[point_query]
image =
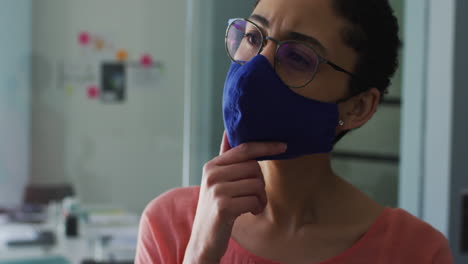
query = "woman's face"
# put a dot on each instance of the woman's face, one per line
(315, 19)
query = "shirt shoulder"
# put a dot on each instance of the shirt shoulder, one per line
(177, 202)
(416, 238)
(166, 225)
(408, 224)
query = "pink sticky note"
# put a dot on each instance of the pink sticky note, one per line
(93, 92)
(146, 60)
(83, 38)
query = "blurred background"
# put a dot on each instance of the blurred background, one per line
(106, 104)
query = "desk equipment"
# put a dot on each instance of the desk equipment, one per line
(42, 260)
(108, 234)
(44, 238)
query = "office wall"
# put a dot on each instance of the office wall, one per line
(198, 99)
(15, 91)
(124, 153)
(438, 111)
(414, 66)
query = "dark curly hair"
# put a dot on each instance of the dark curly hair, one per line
(373, 34)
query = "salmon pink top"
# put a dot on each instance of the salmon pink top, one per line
(395, 237)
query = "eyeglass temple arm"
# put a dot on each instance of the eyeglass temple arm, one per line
(338, 68)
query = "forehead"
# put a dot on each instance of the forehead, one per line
(310, 17)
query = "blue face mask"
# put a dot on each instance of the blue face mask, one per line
(258, 106)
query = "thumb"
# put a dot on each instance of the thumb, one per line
(224, 144)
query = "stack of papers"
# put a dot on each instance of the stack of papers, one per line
(15, 232)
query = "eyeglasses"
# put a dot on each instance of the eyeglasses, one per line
(296, 62)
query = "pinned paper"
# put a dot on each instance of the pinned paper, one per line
(93, 92)
(84, 38)
(113, 82)
(121, 55)
(144, 78)
(146, 60)
(80, 73)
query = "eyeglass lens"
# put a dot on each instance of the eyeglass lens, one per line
(295, 62)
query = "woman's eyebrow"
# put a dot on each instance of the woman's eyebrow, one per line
(292, 35)
(309, 39)
(262, 20)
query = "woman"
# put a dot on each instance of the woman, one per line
(304, 73)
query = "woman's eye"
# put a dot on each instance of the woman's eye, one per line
(298, 59)
(253, 39)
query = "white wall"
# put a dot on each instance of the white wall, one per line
(112, 153)
(413, 113)
(439, 114)
(15, 90)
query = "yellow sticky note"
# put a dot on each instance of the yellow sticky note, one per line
(69, 89)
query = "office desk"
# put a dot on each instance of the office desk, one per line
(75, 250)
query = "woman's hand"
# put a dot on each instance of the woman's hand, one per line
(232, 184)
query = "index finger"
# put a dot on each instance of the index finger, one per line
(250, 151)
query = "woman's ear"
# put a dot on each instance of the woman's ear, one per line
(358, 110)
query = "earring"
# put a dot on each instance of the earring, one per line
(341, 122)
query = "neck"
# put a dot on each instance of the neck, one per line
(300, 191)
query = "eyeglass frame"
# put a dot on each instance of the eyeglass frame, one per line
(278, 46)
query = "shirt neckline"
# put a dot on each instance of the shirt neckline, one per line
(336, 259)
